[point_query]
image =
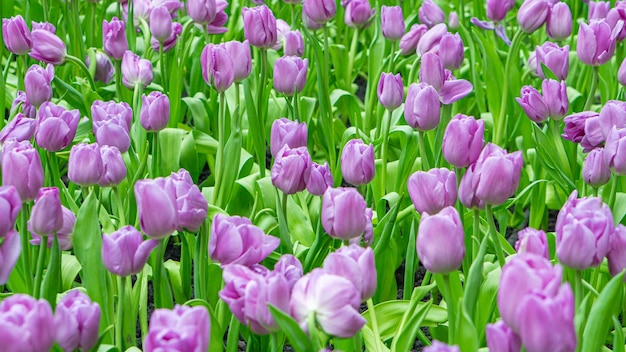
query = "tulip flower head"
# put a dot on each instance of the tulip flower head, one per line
(77, 320)
(16, 35)
(124, 252)
(180, 329)
(440, 241)
(357, 162)
(344, 213)
(135, 70)
(27, 324)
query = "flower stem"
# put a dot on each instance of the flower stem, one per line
(41, 258)
(612, 194)
(451, 306)
(592, 91)
(164, 83)
(119, 206)
(233, 335)
(494, 235)
(221, 141)
(423, 155)
(119, 324)
(118, 80)
(385, 151)
(501, 122)
(155, 155)
(76, 61)
(351, 55)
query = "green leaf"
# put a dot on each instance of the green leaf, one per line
(618, 338)
(466, 335)
(475, 278)
(606, 305)
(51, 282)
(411, 322)
(297, 338)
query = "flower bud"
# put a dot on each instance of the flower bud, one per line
(26, 324)
(392, 22)
(124, 252)
(433, 190)
(621, 73)
(467, 190)
(16, 35)
(290, 268)
(497, 9)
(441, 241)
(10, 251)
(46, 26)
(533, 14)
(422, 109)
(500, 338)
(596, 43)
(598, 10)
(259, 26)
(555, 58)
(217, 25)
(180, 329)
(170, 42)
(287, 132)
(21, 168)
(155, 111)
(532, 241)
(453, 21)
(47, 47)
(160, 23)
(64, 235)
(320, 179)
(21, 128)
(77, 321)
(432, 71)
(559, 23)
(104, 68)
(191, 205)
(617, 254)
(111, 123)
(46, 216)
(463, 140)
(85, 164)
(114, 38)
(359, 14)
(291, 169)
(343, 213)
(596, 171)
(615, 149)
(390, 90)
(156, 206)
(10, 206)
(202, 11)
(290, 74)
(357, 162)
(57, 127)
(613, 114)
(408, 42)
(218, 68)
(355, 264)
(451, 51)
(441, 347)
(555, 97)
(320, 11)
(615, 15)
(242, 61)
(294, 44)
(136, 70)
(431, 39)
(114, 169)
(497, 174)
(431, 14)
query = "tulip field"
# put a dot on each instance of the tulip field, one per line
(313, 175)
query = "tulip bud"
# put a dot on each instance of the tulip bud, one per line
(408, 42)
(614, 151)
(180, 329)
(10, 251)
(441, 241)
(282, 27)
(290, 74)
(124, 252)
(467, 190)
(497, 9)
(21, 128)
(294, 44)
(617, 255)
(392, 22)
(596, 171)
(441, 347)
(104, 68)
(320, 11)
(46, 26)
(290, 268)
(160, 23)
(320, 179)
(621, 73)
(422, 107)
(156, 206)
(432, 71)
(357, 162)
(497, 174)
(343, 213)
(453, 21)
(171, 5)
(216, 26)
(598, 10)
(390, 90)
(556, 59)
(47, 47)
(57, 127)
(242, 61)
(136, 70)
(114, 169)
(114, 38)
(170, 42)
(202, 11)
(85, 164)
(359, 14)
(532, 241)
(431, 14)
(218, 68)
(583, 231)
(10, 206)
(433, 190)
(559, 23)
(155, 111)
(328, 299)
(596, 43)
(555, 98)
(451, 51)
(291, 169)
(26, 324)
(533, 14)
(64, 235)
(616, 15)
(191, 206)
(287, 132)
(16, 35)
(111, 123)
(235, 240)
(309, 23)
(46, 216)
(259, 26)
(500, 338)
(21, 168)
(613, 114)
(355, 264)
(431, 39)
(463, 140)
(77, 320)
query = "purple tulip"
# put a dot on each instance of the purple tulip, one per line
(533, 14)
(111, 123)
(170, 42)
(532, 241)
(583, 230)
(621, 73)
(617, 254)
(218, 68)
(291, 169)
(615, 15)
(453, 21)
(46, 216)
(47, 47)
(613, 114)
(27, 108)
(171, 5)
(217, 25)
(287, 132)
(16, 35)
(114, 169)
(559, 23)
(26, 324)
(104, 68)
(359, 14)
(584, 128)
(114, 38)
(155, 111)
(202, 11)
(10, 205)
(451, 51)
(160, 23)
(309, 23)
(463, 140)
(596, 43)
(355, 264)
(242, 61)
(357, 162)
(64, 235)
(500, 338)
(497, 9)
(259, 26)
(596, 171)
(38, 84)
(555, 98)
(10, 251)
(343, 213)
(294, 44)
(21, 128)
(85, 164)
(191, 205)
(332, 300)
(141, 11)
(440, 243)
(422, 109)
(433, 190)
(555, 58)
(289, 267)
(77, 320)
(408, 42)
(136, 71)
(320, 179)
(615, 149)
(431, 14)
(441, 347)
(235, 240)
(180, 329)
(21, 168)
(290, 74)
(320, 11)
(156, 206)
(433, 73)
(124, 252)
(431, 39)
(46, 26)
(282, 27)
(390, 90)
(392, 22)
(598, 10)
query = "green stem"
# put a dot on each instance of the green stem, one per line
(200, 263)
(221, 141)
(385, 151)
(233, 335)
(494, 235)
(163, 64)
(76, 61)
(274, 342)
(592, 91)
(555, 130)
(41, 258)
(119, 324)
(414, 70)
(612, 194)
(156, 275)
(26, 247)
(391, 56)
(578, 287)
(501, 123)
(331, 137)
(423, 154)
(236, 118)
(118, 80)
(46, 11)
(5, 71)
(130, 26)
(372, 311)
(409, 269)
(261, 113)
(353, 46)
(156, 165)
(317, 346)
(119, 206)
(451, 307)
(285, 239)
(296, 111)
(476, 230)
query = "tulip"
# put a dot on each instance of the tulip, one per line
(290, 74)
(180, 329)
(155, 111)
(218, 68)
(191, 205)
(359, 14)
(10, 251)
(170, 42)
(614, 150)
(555, 98)
(532, 241)
(287, 132)
(432, 71)
(440, 242)
(46, 216)
(496, 174)
(156, 205)
(433, 190)
(320, 11)
(621, 73)
(357, 162)
(22, 168)
(500, 338)
(282, 27)
(291, 169)
(453, 21)
(583, 230)
(114, 169)
(171, 5)
(294, 44)
(135, 71)
(141, 11)
(617, 254)
(124, 252)
(615, 15)
(408, 42)
(441, 347)
(248, 292)
(64, 235)
(38, 84)
(77, 320)
(333, 301)
(559, 23)
(320, 179)
(344, 213)
(160, 23)
(431, 14)
(309, 23)
(431, 39)
(451, 51)
(422, 107)
(111, 123)
(104, 68)
(497, 9)
(85, 164)
(114, 38)
(596, 171)
(467, 191)
(16, 35)
(596, 43)
(202, 11)
(355, 264)
(547, 322)
(27, 108)
(47, 47)
(533, 14)
(21, 128)
(555, 58)
(598, 10)
(290, 268)
(463, 140)
(613, 114)
(27, 324)
(235, 240)
(390, 90)
(259, 26)
(584, 128)
(392, 22)
(10, 205)
(217, 25)
(242, 61)
(46, 26)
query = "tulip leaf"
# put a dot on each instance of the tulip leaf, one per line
(618, 338)
(173, 273)
(410, 324)
(298, 339)
(466, 334)
(198, 110)
(475, 278)
(619, 209)
(606, 305)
